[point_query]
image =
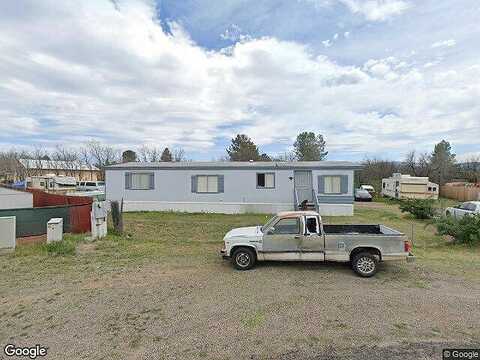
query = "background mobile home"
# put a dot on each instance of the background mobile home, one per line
(412, 187)
(233, 187)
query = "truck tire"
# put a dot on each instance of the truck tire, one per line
(365, 264)
(243, 258)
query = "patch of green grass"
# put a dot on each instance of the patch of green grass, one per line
(186, 240)
(60, 248)
(254, 320)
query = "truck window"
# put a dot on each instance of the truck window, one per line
(287, 226)
(312, 225)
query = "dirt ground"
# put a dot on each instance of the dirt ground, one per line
(101, 305)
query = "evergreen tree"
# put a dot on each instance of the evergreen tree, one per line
(310, 147)
(243, 148)
(129, 156)
(166, 155)
(442, 162)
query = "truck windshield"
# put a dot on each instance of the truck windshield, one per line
(269, 222)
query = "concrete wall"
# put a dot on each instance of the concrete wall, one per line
(173, 192)
(12, 199)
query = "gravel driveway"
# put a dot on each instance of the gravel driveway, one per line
(276, 311)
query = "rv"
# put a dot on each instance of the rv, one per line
(52, 183)
(400, 186)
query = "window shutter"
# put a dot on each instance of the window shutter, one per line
(194, 184)
(128, 180)
(152, 181)
(221, 182)
(321, 184)
(344, 184)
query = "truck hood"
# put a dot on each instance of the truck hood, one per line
(251, 231)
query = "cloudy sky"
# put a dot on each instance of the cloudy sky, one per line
(375, 77)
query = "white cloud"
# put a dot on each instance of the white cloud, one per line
(327, 43)
(377, 10)
(445, 43)
(112, 73)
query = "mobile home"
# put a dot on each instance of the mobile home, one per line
(233, 187)
(412, 187)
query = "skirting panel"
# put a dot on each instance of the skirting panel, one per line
(231, 208)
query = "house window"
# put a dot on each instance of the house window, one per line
(332, 184)
(207, 183)
(265, 180)
(139, 181)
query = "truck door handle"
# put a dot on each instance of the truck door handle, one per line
(297, 236)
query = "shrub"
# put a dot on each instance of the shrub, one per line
(61, 248)
(420, 208)
(465, 230)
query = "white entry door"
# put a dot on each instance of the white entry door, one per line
(303, 185)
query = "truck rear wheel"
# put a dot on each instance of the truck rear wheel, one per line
(365, 264)
(243, 258)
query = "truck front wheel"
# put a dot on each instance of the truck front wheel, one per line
(365, 264)
(243, 259)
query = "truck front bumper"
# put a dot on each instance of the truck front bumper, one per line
(223, 254)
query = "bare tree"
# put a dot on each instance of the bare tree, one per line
(374, 170)
(470, 169)
(66, 159)
(149, 154)
(178, 154)
(10, 167)
(286, 156)
(102, 155)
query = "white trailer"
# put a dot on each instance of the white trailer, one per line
(400, 186)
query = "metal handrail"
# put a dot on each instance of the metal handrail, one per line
(315, 200)
(295, 197)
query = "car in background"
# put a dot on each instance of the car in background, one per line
(91, 186)
(362, 195)
(369, 188)
(466, 208)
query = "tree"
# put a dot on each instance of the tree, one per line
(416, 165)
(470, 169)
(149, 154)
(243, 148)
(178, 154)
(285, 157)
(442, 162)
(99, 155)
(265, 157)
(166, 155)
(374, 170)
(129, 156)
(308, 147)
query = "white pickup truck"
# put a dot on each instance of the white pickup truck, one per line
(301, 236)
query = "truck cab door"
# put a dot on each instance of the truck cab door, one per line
(313, 242)
(282, 240)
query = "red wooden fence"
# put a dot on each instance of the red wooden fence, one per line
(79, 208)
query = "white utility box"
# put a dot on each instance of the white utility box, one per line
(7, 233)
(99, 219)
(54, 230)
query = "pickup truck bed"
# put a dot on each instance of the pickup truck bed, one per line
(359, 229)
